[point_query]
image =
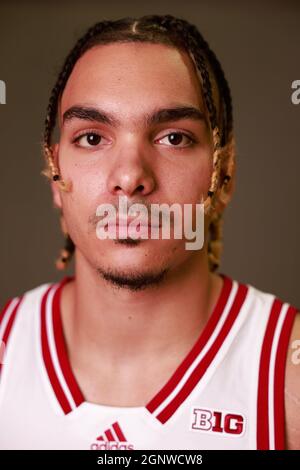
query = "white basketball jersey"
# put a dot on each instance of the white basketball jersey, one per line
(227, 393)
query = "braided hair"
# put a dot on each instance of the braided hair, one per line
(178, 33)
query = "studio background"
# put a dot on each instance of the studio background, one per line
(258, 46)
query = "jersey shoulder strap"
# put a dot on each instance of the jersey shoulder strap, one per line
(271, 379)
(10, 315)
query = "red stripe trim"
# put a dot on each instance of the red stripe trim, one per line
(62, 348)
(10, 322)
(60, 395)
(119, 432)
(263, 440)
(280, 366)
(4, 309)
(194, 353)
(109, 435)
(202, 367)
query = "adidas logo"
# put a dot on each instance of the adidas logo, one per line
(112, 439)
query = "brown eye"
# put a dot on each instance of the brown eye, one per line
(87, 140)
(177, 139)
(93, 139)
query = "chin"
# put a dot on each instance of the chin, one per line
(131, 277)
(137, 256)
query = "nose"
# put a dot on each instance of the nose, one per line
(131, 175)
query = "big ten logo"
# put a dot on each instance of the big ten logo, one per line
(221, 422)
(295, 96)
(2, 92)
(296, 353)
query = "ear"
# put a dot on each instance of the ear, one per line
(56, 196)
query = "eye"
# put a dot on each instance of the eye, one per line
(88, 140)
(176, 138)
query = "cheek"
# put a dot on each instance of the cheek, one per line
(80, 204)
(189, 180)
(201, 176)
(87, 178)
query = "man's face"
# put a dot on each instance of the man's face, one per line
(132, 157)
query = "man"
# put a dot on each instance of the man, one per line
(146, 346)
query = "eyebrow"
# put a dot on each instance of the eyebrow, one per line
(159, 116)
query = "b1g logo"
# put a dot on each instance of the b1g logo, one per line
(220, 422)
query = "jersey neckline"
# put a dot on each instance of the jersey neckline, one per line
(175, 391)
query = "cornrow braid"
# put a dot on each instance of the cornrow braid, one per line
(179, 33)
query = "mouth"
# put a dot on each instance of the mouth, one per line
(130, 228)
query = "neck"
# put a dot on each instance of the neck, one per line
(123, 326)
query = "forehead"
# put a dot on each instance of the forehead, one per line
(128, 78)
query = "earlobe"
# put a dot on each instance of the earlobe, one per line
(56, 198)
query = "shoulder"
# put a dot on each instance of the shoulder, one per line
(279, 369)
(18, 308)
(292, 388)
(29, 296)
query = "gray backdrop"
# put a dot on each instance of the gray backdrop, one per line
(258, 45)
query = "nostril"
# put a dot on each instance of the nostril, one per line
(137, 189)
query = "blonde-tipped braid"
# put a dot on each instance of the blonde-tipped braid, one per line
(209, 201)
(65, 254)
(52, 172)
(218, 197)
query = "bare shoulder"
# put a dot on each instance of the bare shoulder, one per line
(292, 388)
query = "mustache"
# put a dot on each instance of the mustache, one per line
(153, 213)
